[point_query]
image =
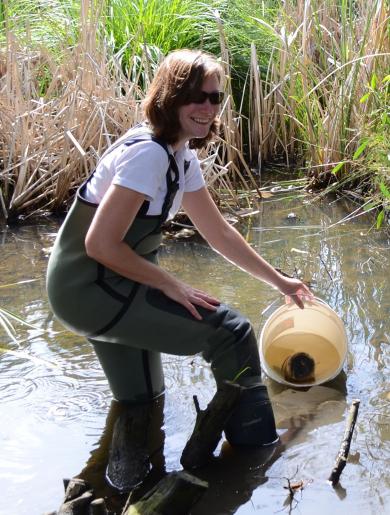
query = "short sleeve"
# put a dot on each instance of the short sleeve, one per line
(141, 167)
(193, 179)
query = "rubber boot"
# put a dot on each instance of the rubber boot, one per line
(252, 422)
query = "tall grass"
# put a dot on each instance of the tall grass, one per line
(310, 99)
(64, 98)
(323, 102)
(306, 83)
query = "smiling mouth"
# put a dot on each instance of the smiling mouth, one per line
(201, 121)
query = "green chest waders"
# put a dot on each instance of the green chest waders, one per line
(88, 298)
(129, 323)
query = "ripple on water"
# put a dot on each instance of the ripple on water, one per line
(65, 399)
(15, 381)
(378, 436)
(61, 394)
(74, 397)
(16, 389)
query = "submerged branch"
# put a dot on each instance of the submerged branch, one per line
(209, 426)
(342, 456)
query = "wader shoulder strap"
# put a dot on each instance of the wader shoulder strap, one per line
(172, 187)
(172, 177)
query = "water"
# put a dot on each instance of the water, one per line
(55, 405)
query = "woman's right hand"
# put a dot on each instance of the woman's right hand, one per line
(296, 290)
(189, 297)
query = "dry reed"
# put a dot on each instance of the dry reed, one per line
(309, 105)
(50, 143)
(306, 106)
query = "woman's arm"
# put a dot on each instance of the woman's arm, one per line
(104, 243)
(227, 241)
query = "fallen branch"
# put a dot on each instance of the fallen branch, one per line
(342, 456)
(78, 505)
(98, 507)
(79, 499)
(209, 426)
(175, 494)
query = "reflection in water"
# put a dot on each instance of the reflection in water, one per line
(54, 398)
(232, 475)
(125, 452)
(237, 473)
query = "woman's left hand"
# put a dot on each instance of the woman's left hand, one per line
(296, 290)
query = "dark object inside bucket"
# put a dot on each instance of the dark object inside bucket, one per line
(298, 368)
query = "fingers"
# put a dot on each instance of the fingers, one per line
(203, 300)
(298, 301)
(307, 292)
(208, 298)
(299, 297)
(298, 293)
(204, 304)
(190, 297)
(191, 308)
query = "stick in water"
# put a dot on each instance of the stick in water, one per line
(342, 456)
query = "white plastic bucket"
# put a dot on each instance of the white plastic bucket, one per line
(315, 330)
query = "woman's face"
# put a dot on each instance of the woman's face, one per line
(196, 118)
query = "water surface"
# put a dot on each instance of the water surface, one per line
(54, 399)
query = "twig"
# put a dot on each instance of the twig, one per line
(342, 456)
(326, 268)
(283, 273)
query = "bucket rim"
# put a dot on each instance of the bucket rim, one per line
(294, 306)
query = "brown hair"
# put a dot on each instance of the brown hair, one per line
(180, 73)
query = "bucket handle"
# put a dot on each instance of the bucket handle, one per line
(317, 300)
(313, 301)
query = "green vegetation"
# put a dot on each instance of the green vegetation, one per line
(307, 81)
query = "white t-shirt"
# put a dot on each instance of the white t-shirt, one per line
(142, 167)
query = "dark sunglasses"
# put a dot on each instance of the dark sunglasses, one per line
(199, 97)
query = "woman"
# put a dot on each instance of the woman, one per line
(103, 278)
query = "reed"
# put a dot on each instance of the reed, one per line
(50, 143)
(310, 99)
(323, 102)
(64, 99)
(307, 82)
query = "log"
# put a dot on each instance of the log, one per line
(77, 506)
(175, 494)
(77, 497)
(341, 459)
(74, 488)
(98, 507)
(209, 426)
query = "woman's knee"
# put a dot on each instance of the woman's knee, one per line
(238, 326)
(233, 348)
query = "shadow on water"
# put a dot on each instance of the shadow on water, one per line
(55, 404)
